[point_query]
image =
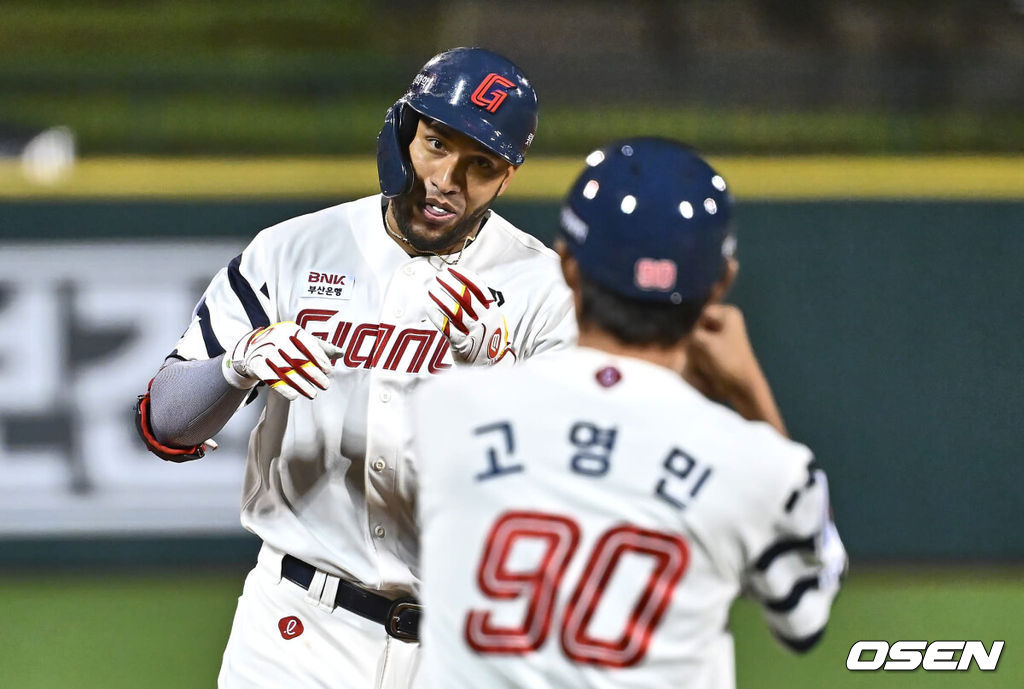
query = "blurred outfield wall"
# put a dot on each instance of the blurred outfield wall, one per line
(890, 329)
(262, 77)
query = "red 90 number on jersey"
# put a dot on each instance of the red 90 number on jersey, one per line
(558, 537)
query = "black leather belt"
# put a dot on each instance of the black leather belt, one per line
(401, 617)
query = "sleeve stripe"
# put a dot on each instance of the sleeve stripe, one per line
(795, 595)
(781, 548)
(812, 469)
(803, 644)
(252, 395)
(213, 347)
(244, 291)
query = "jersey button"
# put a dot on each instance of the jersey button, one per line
(378, 531)
(379, 465)
(408, 270)
(399, 312)
(385, 396)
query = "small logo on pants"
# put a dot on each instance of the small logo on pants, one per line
(290, 627)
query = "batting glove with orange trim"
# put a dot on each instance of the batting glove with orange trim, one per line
(469, 314)
(285, 357)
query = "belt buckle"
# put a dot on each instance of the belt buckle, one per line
(399, 608)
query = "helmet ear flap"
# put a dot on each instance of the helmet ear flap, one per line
(394, 168)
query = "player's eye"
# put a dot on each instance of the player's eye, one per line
(434, 143)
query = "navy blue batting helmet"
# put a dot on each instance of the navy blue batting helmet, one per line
(473, 91)
(649, 219)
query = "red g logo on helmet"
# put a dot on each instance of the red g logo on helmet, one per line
(493, 100)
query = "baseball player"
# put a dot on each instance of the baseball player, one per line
(588, 518)
(342, 313)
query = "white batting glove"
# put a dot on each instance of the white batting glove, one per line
(462, 307)
(285, 357)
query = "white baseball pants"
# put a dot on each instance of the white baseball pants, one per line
(285, 636)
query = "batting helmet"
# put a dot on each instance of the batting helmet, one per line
(473, 91)
(649, 219)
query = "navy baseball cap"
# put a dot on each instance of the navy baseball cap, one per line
(649, 219)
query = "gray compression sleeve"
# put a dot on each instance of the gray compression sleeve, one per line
(190, 401)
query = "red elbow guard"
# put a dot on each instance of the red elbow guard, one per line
(165, 452)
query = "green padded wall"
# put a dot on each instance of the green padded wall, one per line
(891, 331)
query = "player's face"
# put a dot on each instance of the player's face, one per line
(456, 181)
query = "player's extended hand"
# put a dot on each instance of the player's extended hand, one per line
(720, 363)
(462, 307)
(285, 357)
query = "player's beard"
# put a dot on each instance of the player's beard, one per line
(451, 241)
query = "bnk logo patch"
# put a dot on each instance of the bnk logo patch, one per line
(333, 285)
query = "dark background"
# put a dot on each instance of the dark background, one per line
(266, 77)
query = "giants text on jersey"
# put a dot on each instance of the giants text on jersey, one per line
(328, 480)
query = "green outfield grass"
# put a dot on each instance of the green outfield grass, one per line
(107, 632)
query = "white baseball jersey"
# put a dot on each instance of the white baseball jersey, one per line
(588, 520)
(328, 480)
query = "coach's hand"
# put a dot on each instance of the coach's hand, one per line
(469, 314)
(285, 357)
(720, 362)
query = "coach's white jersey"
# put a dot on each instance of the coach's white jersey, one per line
(328, 480)
(587, 521)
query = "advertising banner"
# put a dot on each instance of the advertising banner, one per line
(83, 328)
